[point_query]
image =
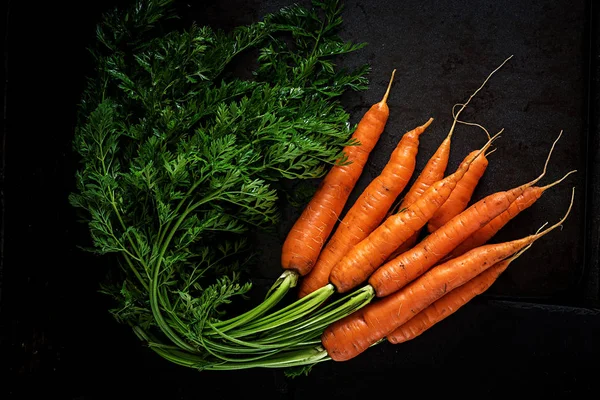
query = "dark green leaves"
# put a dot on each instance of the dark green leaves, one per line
(180, 155)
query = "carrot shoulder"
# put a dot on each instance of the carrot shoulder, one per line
(308, 235)
(368, 210)
(355, 333)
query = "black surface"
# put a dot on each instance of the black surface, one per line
(57, 337)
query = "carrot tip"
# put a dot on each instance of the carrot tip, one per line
(559, 223)
(425, 125)
(389, 87)
(548, 186)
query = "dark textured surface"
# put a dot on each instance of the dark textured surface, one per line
(58, 339)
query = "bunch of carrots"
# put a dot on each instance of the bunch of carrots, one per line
(425, 255)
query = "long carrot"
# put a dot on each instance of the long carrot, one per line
(355, 333)
(308, 235)
(368, 210)
(409, 265)
(436, 166)
(450, 302)
(364, 257)
(524, 201)
(462, 193)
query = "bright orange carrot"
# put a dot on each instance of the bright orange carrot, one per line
(409, 265)
(462, 193)
(524, 201)
(368, 210)
(308, 235)
(436, 166)
(350, 336)
(364, 257)
(409, 243)
(450, 302)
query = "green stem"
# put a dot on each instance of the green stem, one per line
(136, 272)
(325, 317)
(281, 287)
(154, 292)
(294, 312)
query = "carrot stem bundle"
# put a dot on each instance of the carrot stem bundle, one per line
(353, 334)
(368, 210)
(305, 240)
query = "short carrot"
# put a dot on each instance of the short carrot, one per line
(409, 265)
(350, 336)
(450, 302)
(368, 210)
(305, 240)
(364, 257)
(436, 166)
(524, 201)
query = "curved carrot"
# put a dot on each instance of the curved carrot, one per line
(364, 258)
(450, 302)
(409, 265)
(524, 201)
(369, 209)
(350, 336)
(436, 166)
(308, 235)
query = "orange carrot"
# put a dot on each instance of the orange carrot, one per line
(308, 235)
(524, 201)
(450, 302)
(462, 193)
(350, 336)
(363, 258)
(409, 265)
(369, 209)
(436, 166)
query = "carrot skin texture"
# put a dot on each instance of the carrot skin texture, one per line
(481, 236)
(529, 196)
(447, 305)
(462, 193)
(367, 255)
(411, 264)
(308, 235)
(456, 202)
(369, 209)
(353, 334)
(407, 245)
(432, 172)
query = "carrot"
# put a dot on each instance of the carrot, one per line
(350, 336)
(409, 265)
(524, 201)
(462, 193)
(363, 258)
(450, 302)
(308, 235)
(436, 166)
(369, 209)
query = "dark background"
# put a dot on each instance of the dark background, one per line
(534, 332)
